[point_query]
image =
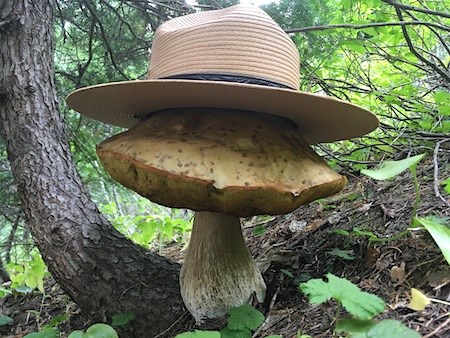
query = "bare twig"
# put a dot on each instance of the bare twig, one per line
(436, 171)
(440, 327)
(172, 325)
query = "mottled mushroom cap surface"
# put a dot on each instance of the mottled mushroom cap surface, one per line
(233, 162)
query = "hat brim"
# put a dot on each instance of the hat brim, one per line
(319, 118)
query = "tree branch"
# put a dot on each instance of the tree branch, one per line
(413, 50)
(367, 25)
(416, 9)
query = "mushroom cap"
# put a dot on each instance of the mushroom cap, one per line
(233, 162)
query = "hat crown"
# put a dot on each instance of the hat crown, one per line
(236, 41)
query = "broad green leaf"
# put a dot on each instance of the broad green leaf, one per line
(352, 325)
(316, 290)
(390, 169)
(77, 334)
(245, 317)
(361, 304)
(227, 333)
(354, 45)
(5, 320)
(122, 319)
(418, 300)
(48, 332)
(199, 334)
(388, 328)
(440, 234)
(101, 330)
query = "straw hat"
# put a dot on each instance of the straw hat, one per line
(233, 58)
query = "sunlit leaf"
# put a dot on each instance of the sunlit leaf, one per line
(360, 304)
(390, 169)
(101, 330)
(199, 334)
(440, 234)
(77, 334)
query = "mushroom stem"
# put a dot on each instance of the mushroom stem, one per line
(218, 271)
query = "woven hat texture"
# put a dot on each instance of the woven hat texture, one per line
(233, 58)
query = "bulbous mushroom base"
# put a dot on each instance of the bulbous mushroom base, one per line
(218, 271)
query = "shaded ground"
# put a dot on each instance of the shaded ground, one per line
(296, 247)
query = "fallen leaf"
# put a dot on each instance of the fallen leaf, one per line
(419, 301)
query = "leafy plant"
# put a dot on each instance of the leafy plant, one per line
(446, 184)
(5, 320)
(151, 230)
(28, 275)
(361, 305)
(390, 169)
(439, 232)
(241, 322)
(99, 330)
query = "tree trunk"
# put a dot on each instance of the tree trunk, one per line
(103, 272)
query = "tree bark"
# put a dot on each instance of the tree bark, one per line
(103, 272)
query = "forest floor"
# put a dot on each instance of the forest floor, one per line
(302, 245)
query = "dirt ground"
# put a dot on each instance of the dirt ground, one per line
(293, 248)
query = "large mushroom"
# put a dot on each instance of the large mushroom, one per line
(223, 164)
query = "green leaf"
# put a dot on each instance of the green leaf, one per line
(101, 330)
(354, 45)
(388, 328)
(58, 320)
(446, 184)
(48, 332)
(442, 100)
(344, 254)
(390, 169)
(259, 230)
(4, 291)
(122, 319)
(440, 234)
(360, 304)
(5, 320)
(245, 317)
(352, 325)
(287, 273)
(77, 334)
(316, 290)
(199, 334)
(227, 333)
(360, 232)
